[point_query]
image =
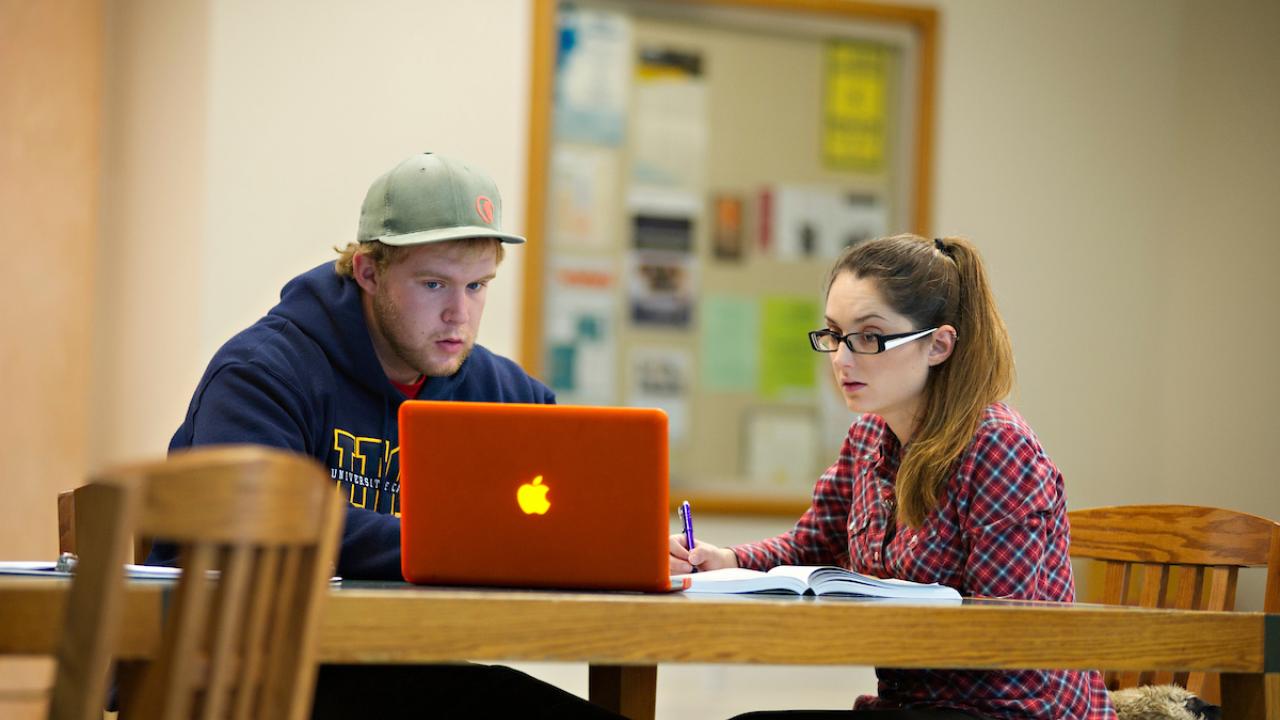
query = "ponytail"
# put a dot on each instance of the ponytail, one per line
(942, 282)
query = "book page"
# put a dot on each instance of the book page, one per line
(799, 572)
(741, 580)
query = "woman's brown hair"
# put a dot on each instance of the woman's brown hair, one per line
(939, 282)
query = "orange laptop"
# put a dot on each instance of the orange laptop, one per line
(533, 495)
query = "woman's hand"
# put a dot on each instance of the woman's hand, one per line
(704, 556)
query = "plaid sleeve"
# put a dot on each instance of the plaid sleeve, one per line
(820, 536)
(1015, 523)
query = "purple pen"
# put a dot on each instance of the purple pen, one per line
(686, 515)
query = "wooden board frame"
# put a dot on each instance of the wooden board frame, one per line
(921, 21)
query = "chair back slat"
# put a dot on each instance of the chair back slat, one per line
(1189, 558)
(85, 648)
(255, 635)
(257, 532)
(1155, 582)
(1222, 588)
(316, 570)
(1116, 585)
(1186, 593)
(228, 618)
(1190, 588)
(1151, 593)
(283, 605)
(169, 686)
(1156, 588)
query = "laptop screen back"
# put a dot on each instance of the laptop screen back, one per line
(534, 495)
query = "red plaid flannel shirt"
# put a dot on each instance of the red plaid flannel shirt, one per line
(1000, 530)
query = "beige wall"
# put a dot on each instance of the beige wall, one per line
(1219, 406)
(1118, 164)
(50, 155)
(50, 95)
(153, 224)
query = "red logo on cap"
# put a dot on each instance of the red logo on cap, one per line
(484, 206)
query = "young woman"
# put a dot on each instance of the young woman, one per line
(938, 481)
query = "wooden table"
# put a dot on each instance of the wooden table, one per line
(623, 637)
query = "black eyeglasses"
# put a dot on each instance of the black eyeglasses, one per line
(863, 343)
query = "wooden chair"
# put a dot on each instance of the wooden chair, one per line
(1187, 557)
(79, 510)
(237, 644)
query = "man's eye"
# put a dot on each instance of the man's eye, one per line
(432, 284)
(475, 285)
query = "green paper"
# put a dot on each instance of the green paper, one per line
(786, 360)
(730, 343)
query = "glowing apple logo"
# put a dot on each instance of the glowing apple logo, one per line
(532, 497)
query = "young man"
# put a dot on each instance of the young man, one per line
(395, 317)
(324, 374)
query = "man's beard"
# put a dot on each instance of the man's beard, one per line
(388, 318)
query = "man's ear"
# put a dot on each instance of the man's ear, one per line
(365, 272)
(941, 344)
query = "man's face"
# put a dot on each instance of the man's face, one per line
(425, 308)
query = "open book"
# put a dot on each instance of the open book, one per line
(813, 580)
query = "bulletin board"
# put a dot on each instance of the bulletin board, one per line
(694, 169)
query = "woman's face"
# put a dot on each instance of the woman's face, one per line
(889, 384)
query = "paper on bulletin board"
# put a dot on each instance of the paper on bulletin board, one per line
(661, 267)
(661, 377)
(583, 196)
(807, 222)
(781, 446)
(786, 358)
(669, 135)
(855, 105)
(593, 71)
(581, 340)
(729, 343)
(728, 233)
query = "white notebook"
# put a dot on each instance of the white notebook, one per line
(50, 569)
(44, 568)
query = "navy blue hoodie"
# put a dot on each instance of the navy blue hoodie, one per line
(306, 378)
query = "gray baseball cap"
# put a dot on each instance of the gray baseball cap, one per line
(432, 198)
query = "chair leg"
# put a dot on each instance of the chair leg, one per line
(1244, 696)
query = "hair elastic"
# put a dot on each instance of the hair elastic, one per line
(937, 242)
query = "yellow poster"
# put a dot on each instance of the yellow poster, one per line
(855, 106)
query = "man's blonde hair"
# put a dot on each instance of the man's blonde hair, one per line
(384, 256)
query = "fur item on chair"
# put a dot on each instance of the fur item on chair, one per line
(1162, 702)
